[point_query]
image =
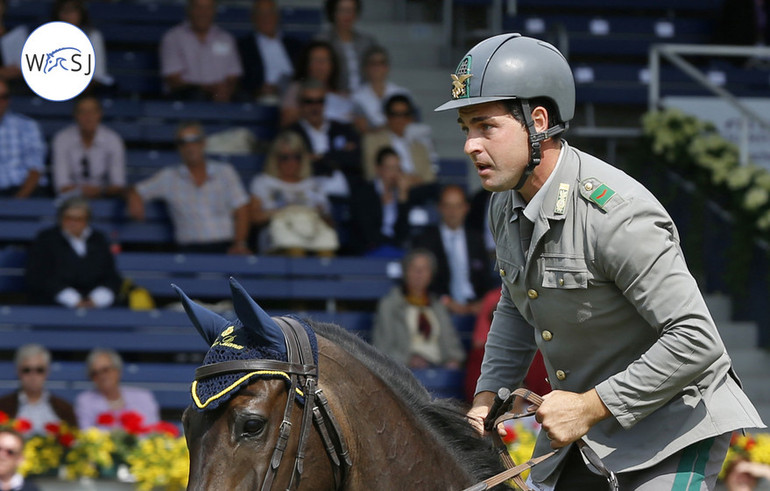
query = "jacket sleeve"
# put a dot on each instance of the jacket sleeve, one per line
(41, 272)
(449, 339)
(638, 248)
(389, 333)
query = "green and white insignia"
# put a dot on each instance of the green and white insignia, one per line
(602, 195)
(460, 79)
(561, 199)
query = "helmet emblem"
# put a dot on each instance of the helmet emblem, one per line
(460, 78)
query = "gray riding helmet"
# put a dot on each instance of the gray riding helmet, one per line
(512, 66)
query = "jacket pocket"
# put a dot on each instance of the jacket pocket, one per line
(507, 270)
(564, 272)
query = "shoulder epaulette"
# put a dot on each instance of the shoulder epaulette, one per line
(599, 193)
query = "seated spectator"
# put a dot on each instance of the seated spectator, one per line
(103, 405)
(32, 401)
(11, 43)
(478, 220)
(22, 153)
(334, 145)
(11, 457)
(71, 264)
(349, 43)
(464, 272)
(198, 59)
(370, 97)
(89, 159)
(285, 194)
(318, 63)
(76, 13)
(408, 140)
(262, 80)
(380, 209)
(411, 324)
(207, 202)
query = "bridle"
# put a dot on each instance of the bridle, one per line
(303, 374)
(497, 414)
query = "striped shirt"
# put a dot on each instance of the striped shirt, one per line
(22, 149)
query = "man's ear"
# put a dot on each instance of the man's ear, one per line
(540, 118)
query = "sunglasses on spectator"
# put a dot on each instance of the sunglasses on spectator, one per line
(189, 139)
(285, 157)
(308, 100)
(9, 451)
(400, 114)
(37, 370)
(100, 371)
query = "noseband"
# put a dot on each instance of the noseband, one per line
(303, 373)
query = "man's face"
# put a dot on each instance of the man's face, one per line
(10, 455)
(453, 208)
(32, 373)
(418, 274)
(265, 17)
(88, 115)
(389, 170)
(497, 144)
(399, 115)
(311, 105)
(345, 15)
(74, 221)
(201, 14)
(104, 374)
(192, 145)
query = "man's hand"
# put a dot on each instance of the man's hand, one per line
(481, 405)
(567, 416)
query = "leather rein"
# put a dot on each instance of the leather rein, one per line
(303, 373)
(498, 414)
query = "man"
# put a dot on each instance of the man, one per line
(22, 150)
(334, 145)
(71, 264)
(260, 78)
(11, 457)
(198, 59)
(109, 397)
(593, 275)
(206, 200)
(32, 402)
(463, 273)
(89, 159)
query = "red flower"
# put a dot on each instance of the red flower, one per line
(53, 428)
(67, 439)
(3, 418)
(132, 422)
(22, 425)
(165, 428)
(510, 434)
(750, 444)
(105, 419)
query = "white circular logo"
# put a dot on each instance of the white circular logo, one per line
(57, 61)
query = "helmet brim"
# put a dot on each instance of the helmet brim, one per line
(471, 101)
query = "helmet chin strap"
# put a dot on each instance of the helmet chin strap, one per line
(534, 140)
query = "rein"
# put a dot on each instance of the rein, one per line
(503, 401)
(303, 374)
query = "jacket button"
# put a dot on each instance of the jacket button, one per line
(532, 294)
(560, 374)
(561, 281)
(589, 186)
(502, 272)
(547, 335)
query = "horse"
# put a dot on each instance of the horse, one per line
(266, 381)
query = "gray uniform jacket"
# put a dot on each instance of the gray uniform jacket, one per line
(605, 294)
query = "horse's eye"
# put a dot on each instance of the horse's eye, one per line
(253, 427)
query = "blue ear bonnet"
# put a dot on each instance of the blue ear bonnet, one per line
(253, 335)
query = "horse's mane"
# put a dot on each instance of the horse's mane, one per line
(444, 418)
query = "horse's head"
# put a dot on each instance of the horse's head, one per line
(240, 398)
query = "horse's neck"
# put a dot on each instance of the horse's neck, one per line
(388, 443)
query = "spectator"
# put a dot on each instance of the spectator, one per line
(407, 139)
(32, 402)
(76, 13)
(22, 152)
(198, 59)
(369, 98)
(71, 263)
(318, 63)
(349, 43)
(89, 159)
(11, 457)
(478, 219)
(411, 324)
(206, 200)
(335, 145)
(262, 80)
(103, 405)
(286, 192)
(464, 273)
(380, 209)
(11, 43)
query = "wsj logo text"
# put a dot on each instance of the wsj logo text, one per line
(67, 59)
